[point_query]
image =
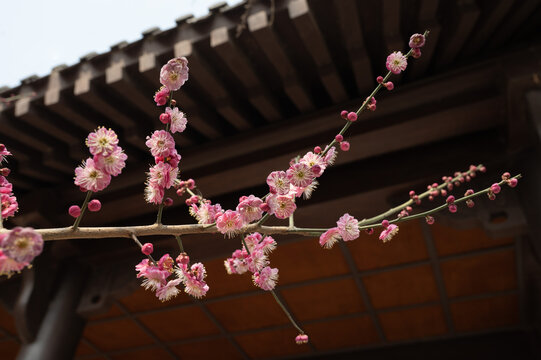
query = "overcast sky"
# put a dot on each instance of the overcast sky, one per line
(36, 35)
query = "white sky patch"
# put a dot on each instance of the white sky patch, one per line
(37, 35)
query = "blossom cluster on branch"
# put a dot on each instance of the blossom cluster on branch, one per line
(168, 275)
(19, 246)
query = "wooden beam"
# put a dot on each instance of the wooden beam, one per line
(512, 22)
(352, 35)
(329, 119)
(392, 35)
(458, 32)
(58, 103)
(212, 86)
(308, 30)
(261, 29)
(30, 114)
(241, 68)
(492, 17)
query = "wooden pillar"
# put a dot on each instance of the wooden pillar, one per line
(60, 331)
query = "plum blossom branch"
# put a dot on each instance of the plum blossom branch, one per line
(417, 198)
(82, 210)
(465, 198)
(248, 217)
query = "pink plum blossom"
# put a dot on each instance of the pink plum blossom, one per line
(266, 278)
(329, 238)
(90, 177)
(267, 245)
(388, 233)
(160, 97)
(154, 278)
(330, 156)
(229, 223)
(278, 182)
(281, 206)
(205, 213)
(238, 262)
(248, 208)
(161, 143)
(311, 159)
(348, 227)
(8, 266)
(301, 339)
(193, 279)
(3, 152)
(22, 244)
(178, 120)
(300, 175)
(172, 159)
(8, 205)
(5, 186)
(113, 163)
(175, 73)
(154, 193)
(166, 263)
(162, 175)
(195, 288)
(396, 62)
(252, 240)
(142, 267)
(169, 290)
(417, 41)
(102, 141)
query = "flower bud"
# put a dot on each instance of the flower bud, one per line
(94, 205)
(496, 188)
(165, 118)
(147, 249)
(74, 211)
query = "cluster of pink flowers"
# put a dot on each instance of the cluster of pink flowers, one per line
(18, 248)
(255, 259)
(156, 275)
(397, 62)
(298, 180)
(163, 174)
(108, 160)
(284, 188)
(8, 202)
(347, 229)
(228, 222)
